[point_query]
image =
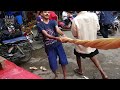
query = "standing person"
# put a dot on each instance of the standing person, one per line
(24, 16)
(84, 27)
(106, 20)
(53, 46)
(19, 18)
(64, 15)
(70, 18)
(53, 16)
(38, 19)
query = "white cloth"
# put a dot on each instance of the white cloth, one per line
(64, 15)
(87, 24)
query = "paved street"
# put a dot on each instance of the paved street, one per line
(109, 59)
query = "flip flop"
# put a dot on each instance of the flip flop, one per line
(77, 71)
(33, 68)
(43, 68)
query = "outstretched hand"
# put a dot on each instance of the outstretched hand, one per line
(64, 39)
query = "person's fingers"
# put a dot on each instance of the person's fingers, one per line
(63, 39)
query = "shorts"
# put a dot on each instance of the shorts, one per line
(86, 55)
(52, 52)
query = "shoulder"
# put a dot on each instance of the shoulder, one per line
(52, 21)
(40, 24)
(92, 14)
(78, 17)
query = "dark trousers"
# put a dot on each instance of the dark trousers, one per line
(104, 30)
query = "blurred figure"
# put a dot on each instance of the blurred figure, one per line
(64, 15)
(19, 18)
(53, 16)
(38, 17)
(106, 21)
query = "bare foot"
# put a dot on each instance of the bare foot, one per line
(56, 77)
(105, 77)
(78, 72)
(64, 78)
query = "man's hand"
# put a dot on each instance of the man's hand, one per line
(64, 39)
(63, 35)
(58, 38)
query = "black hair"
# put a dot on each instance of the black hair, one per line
(69, 11)
(41, 11)
(78, 11)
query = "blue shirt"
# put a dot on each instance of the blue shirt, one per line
(19, 19)
(50, 29)
(106, 17)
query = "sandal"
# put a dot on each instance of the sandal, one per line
(33, 68)
(43, 68)
(78, 72)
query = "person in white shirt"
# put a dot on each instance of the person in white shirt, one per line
(84, 27)
(64, 15)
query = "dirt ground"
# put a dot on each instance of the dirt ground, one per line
(109, 60)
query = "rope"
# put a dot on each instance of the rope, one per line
(103, 43)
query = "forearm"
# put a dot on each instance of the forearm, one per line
(48, 35)
(60, 32)
(75, 35)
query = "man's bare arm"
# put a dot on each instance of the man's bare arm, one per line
(59, 31)
(74, 30)
(50, 36)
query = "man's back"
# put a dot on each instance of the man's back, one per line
(87, 25)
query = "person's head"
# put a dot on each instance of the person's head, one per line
(70, 12)
(45, 14)
(78, 11)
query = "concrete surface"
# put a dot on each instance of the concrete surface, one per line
(109, 59)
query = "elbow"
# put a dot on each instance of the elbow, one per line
(75, 35)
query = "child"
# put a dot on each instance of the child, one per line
(53, 46)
